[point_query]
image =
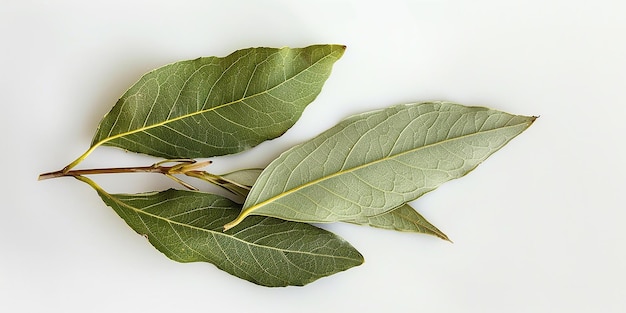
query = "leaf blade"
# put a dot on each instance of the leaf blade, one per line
(214, 106)
(371, 163)
(186, 226)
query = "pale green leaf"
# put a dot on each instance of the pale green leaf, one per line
(214, 106)
(371, 163)
(245, 177)
(403, 218)
(187, 227)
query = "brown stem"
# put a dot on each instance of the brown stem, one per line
(182, 166)
(115, 170)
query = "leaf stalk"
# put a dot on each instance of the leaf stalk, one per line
(187, 167)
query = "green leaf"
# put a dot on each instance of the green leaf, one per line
(187, 227)
(403, 218)
(374, 162)
(214, 106)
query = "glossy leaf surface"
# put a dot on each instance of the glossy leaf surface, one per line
(187, 227)
(374, 162)
(215, 106)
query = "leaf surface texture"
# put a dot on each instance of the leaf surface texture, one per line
(215, 106)
(187, 227)
(374, 162)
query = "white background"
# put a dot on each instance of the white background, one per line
(538, 227)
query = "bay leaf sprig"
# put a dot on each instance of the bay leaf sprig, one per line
(363, 171)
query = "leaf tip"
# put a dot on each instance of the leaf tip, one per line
(339, 49)
(443, 236)
(361, 259)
